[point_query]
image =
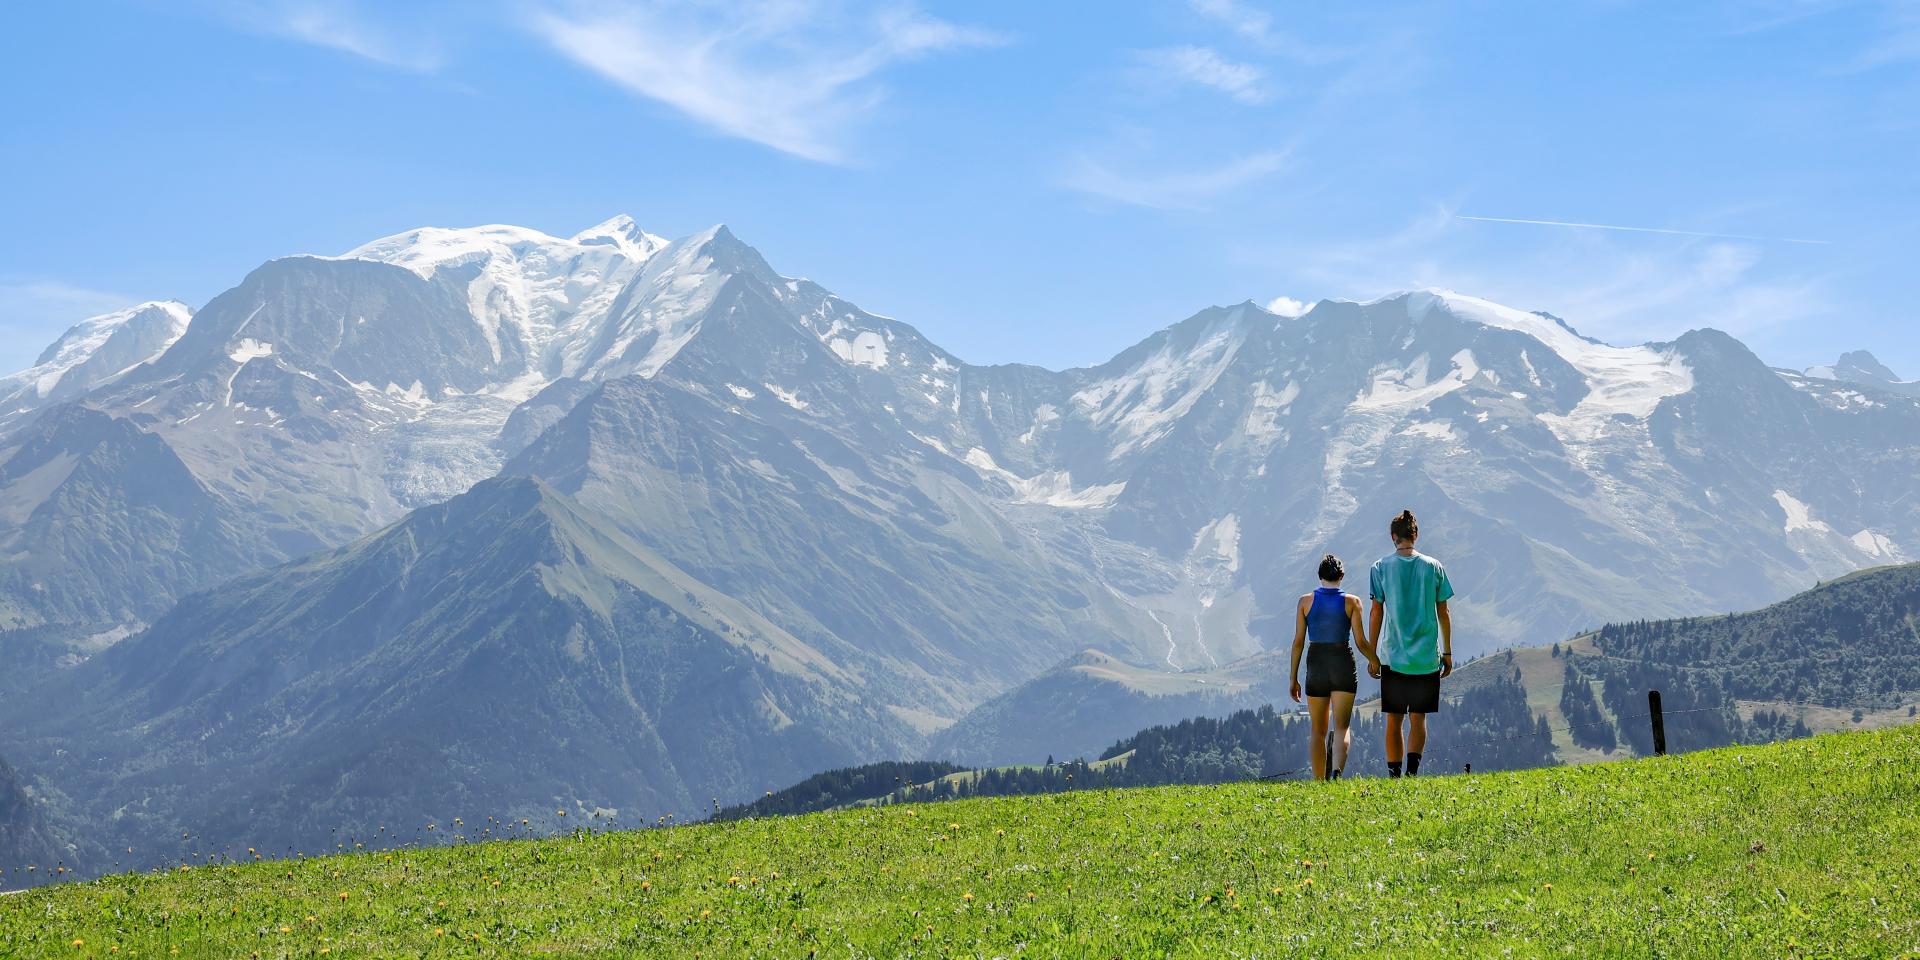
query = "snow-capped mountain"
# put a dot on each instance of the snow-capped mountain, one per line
(1864, 368)
(918, 534)
(93, 352)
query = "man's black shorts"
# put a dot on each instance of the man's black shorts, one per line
(1409, 692)
(1330, 670)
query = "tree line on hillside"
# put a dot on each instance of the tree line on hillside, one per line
(838, 788)
(1490, 727)
(1847, 643)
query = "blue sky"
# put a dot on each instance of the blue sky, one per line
(1042, 182)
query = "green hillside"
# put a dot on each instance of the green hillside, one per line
(1801, 848)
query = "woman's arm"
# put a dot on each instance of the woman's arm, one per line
(1299, 643)
(1360, 641)
(1374, 619)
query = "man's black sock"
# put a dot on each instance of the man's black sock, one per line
(1413, 764)
(1393, 768)
(1336, 775)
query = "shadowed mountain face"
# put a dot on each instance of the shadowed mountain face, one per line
(505, 653)
(908, 536)
(29, 852)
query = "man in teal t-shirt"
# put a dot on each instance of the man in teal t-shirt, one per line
(1410, 591)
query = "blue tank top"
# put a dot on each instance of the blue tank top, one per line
(1327, 620)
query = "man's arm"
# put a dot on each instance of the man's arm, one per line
(1446, 638)
(1299, 644)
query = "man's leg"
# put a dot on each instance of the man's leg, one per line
(1416, 742)
(1317, 711)
(1393, 743)
(1342, 730)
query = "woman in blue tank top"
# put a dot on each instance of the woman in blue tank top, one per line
(1326, 619)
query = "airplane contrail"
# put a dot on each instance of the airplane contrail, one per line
(1609, 226)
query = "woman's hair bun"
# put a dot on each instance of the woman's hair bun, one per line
(1331, 569)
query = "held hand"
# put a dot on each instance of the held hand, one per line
(1296, 691)
(1373, 669)
(1446, 665)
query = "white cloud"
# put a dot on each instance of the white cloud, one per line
(34, 313)
(1287, 307)
(1256, 25)
(1176, 190)
(1203, 66)
(791, 74)
(342, 26)
(1629, 289)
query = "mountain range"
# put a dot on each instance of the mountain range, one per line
(490, 519)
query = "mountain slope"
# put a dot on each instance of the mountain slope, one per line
(29, 852)
(503, 653)
(102, 526)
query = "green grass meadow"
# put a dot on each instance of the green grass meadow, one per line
(1803, 849)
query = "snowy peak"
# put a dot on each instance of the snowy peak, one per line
(94, 351)
(623, 234)
(1861, 367)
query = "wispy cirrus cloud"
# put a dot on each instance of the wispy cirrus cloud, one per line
(1205, 67)
(340, 25)
(794, 75)
(1623, 289)
(1189, 190)
(1256, 25)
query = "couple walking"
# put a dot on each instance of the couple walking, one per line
(1408, 643)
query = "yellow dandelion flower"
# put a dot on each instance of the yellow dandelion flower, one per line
(286, 929)
(646, 885)
(439, 931)
(968, 896)
(1031, 896)
(1546, 886)
(79, 942)
(953, 826)
(343, 895)
(705, 914)
(1229, 893)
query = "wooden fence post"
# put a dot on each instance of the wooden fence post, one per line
(1659, 724)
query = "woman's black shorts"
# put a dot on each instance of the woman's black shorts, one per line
(1409, 692)
(1330, 670)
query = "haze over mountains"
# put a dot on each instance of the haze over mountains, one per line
(612, 521)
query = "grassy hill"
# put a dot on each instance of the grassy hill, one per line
(1796, 848)
(1850, 643)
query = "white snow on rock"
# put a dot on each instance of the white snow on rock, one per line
(248, 348)
(741, 392)
(1052, 488)
(1877, 545)
(1799, 515)
(786, 396)
(546, 291)
(96, 337)
(1145, 402)
(867, 349)
(1394, 390)
(1621, 381)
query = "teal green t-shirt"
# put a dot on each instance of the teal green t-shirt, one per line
(1409, 588)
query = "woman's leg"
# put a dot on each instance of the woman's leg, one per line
(1342, 728)
(1317, 712)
